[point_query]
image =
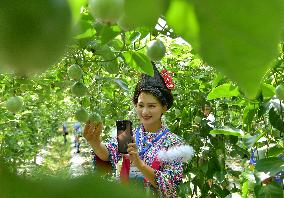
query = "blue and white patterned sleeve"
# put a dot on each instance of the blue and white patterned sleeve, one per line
(114, 155)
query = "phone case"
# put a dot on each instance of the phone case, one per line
(124, 135)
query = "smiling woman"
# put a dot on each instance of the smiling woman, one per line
(156, 155)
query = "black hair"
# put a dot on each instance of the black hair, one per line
(156, 86)
(165, 97)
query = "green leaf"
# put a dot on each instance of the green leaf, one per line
(267, 91)
(249, 113)
(111, 66)
(181, 16)
(234, 41)
(141, 13)
(75, 6)
(271, 190)
(139, 61)
(134, 37)
(87, 34)
(122, 84)
(245, 188)
(108, 33)
(228, 131)
(275, 119)
(84, 27)
(15, 186)
(223, 91)
(270, 165)
(249, 140)
(217, 80)
(275, 151)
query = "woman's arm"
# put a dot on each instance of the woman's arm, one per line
(165, 179)
(148, 172)
(92, 133)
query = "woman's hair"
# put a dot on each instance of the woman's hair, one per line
(155, 86)
(164, 96)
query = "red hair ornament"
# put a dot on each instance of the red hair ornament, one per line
(167, 79)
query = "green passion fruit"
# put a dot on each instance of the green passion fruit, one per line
(75, 72)
(14, 104)
(95, 118)
(197, 120)
(82, 115)
(108, 11)
(34, 33)
(139, 13)
(155, 50)
(79, 89)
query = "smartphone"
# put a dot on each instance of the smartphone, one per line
(124, 134)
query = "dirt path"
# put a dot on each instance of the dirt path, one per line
(80, 163)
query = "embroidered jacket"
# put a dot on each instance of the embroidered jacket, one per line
(168, 171)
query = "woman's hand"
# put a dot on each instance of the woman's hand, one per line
(92, 131)
(146, 170)
(134, 154)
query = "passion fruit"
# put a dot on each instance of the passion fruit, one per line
(75, 72)
(155, 50)
(79, 89)
(197, 120)
(14, 104)
(82, 115)
(95, 118)
(108, 11)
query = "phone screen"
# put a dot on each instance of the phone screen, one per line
(124, 134)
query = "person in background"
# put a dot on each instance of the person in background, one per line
(77, 134)
(64, 132)
(208, 115)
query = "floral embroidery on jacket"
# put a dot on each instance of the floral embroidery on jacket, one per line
(168, 174)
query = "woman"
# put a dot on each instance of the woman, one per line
(155, 157)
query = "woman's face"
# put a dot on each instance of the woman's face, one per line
(149, 110)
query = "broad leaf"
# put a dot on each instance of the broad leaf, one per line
(275, 119)
(111, 66)
(270, 165)
(122, 84)
(75, 6)
(108, 33)
(223, 91)
(228, 131)
(141, 13)
(234, 41)
(15, 186)
(134, 37)
(84, 27)
(251, 140)
(267, 91)
(181, 16)
(275, 151)
(249, 114)
(217, 80)
(271, 190)
(245, 189)
(139, 61)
